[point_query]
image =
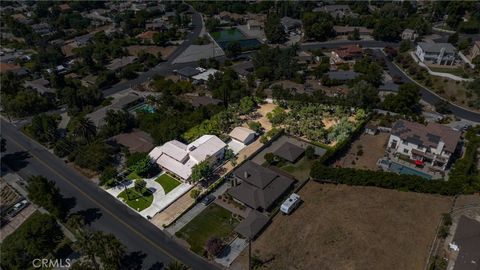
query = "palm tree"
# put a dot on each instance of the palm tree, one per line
(86, 244)
(111, 250)
(83, 128)
(176, 265)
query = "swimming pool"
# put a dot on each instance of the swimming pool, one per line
(143, 108)
(401, 169)
(224, 37)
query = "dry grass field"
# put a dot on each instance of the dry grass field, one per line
(344, 227)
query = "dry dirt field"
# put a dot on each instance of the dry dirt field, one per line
(373, 148)
(343, 227)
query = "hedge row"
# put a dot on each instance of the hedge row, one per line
(388, 180)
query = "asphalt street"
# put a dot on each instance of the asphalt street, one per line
(166, 67)
(427, 95)
(147, 243)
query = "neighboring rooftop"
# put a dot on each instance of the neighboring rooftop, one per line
(289, 151)
(135, 141)
(290, 23)
(241, 134)
(260, 187)
(436, 47)
(121, 62)
(188, 72)
(252, 225)
(343, 75)
(428, 136)
(180, 158)
(40, 85)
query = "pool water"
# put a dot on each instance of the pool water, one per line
(143, 108)
(224, 37)
(401, 169)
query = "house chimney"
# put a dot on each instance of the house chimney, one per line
(245, 174)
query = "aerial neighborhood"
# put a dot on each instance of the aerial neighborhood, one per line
(240, 135)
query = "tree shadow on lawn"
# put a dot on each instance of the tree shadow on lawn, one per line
(16, 161)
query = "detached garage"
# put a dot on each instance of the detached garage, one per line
(243, 135)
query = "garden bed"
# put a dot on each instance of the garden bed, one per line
(137, 200)
(167, 182)
(214, 221)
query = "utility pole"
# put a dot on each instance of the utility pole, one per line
(249, 253)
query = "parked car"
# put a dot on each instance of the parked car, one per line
(208, 199)
(290, 204)
(18, 207)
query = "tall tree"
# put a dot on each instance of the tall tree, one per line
(83, 128)
(274, 30)
(44, 193)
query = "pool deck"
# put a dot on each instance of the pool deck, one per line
(422, 172)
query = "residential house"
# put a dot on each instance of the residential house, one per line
(44, 29)
(242, 135)
(197, 100)
(15, 69)
(432, 145)
(349, 30)
(41, 86)
(121, 62)
(436, 53)
(342, 76)
(188, 72)
(205, 75)
(64, 8)
(466, 244)
(243, 69)
(135, 141)
(290, 25)
(124, 102)
(409, 34)
(337, 11)
(147, 36)
(89, 80)
(475, 51)
(254, 25)
(345, 54)
(251, 226)
(289, 152)
(179, 158)
(258, 187)
(156, 26)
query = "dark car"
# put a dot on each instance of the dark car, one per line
(208, 199)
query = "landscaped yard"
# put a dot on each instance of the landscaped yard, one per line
(137, 200)
(133, 176)
(213, 221)
(167, 182)
(300, 170)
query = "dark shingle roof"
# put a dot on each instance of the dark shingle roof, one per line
(289, 151)
(188, 71)
(261, 188)
(343, 75)
(428, 136)
(252, 225)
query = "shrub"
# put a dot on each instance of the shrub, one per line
(108, 176)
(140, 185)
(214, 246)
(195, 193)
(310, 152)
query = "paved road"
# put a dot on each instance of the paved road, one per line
(163, 68)
(107, 213)
(427, 95)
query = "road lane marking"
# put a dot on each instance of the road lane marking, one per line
(95, 201)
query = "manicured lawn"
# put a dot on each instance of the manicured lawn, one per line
(133, 176)
(300, 170)
(137, 200)
(213, 221)
(168, 183)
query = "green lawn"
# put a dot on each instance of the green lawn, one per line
(300, 170)
(168, 183)
(213, 221)
(133, 176)
(137, 200)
